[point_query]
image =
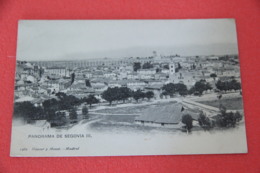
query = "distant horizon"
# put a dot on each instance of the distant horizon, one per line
(90, 59)
(57, 40)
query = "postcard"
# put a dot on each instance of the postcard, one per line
(127, 87)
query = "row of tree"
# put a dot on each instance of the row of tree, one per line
(171, 88)
(138, 65)
(199, 87)
(124, 93)
(52, 109)
(228, 85)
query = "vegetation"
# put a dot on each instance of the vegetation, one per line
(72, 78)
(85, 111)
(60, 119)
(64, 102)
(205, 122)
(181, 89)
(147, 65)
(137, 66)
(200, 87)
(137, 95)
(227, 119)
(28, 111)
(91, 99)
(166, 66)
(149, 95)
(87, 82)
(110, 94)
(124, 93)
(178, 67)
(171, 89)
(73, 115)
(187, 120)
(228, 85)
(50, 109)
(213, 75)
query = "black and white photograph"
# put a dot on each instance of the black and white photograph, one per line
(127, 87)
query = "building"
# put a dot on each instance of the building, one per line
(57, 71)
(146, 71)
(171, 68)
(168, 115)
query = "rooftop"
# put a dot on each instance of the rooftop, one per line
(169, 114)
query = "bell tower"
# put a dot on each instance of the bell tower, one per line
(171, 68)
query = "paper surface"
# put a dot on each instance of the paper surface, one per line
(131, 87)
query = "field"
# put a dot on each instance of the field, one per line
(122, 119)
(229, 103)
(138, 109)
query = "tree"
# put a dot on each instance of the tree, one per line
(199, 87)
(228, 85)
(137, 66)
(227, 119)
(124, 93)
(147, 65)
(213, 75)
(110, 95)
(59, 119)
(68, 102)
(204, 121)
(178, 67)
(219, 98)
(72, 78)
(187, 120)
(169, 89)
(73, 115)
(149, 95)
(87, 82)
(61, 95)
(235, 85)
(166, 66)
(50, 107)
(85, 111)
(137, 95)
(91, 99)
(181, 89)
(28, 111)
(41, 71)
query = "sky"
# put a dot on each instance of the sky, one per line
(90, 39)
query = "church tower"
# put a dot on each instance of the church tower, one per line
(172, 68)
(172, 72)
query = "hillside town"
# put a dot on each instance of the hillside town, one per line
(156, 78)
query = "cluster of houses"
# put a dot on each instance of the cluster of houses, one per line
(37, 81)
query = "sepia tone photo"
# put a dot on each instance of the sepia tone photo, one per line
(127, 87)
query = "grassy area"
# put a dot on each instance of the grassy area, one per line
(130, 109)
(120, 118)
(231, 103)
